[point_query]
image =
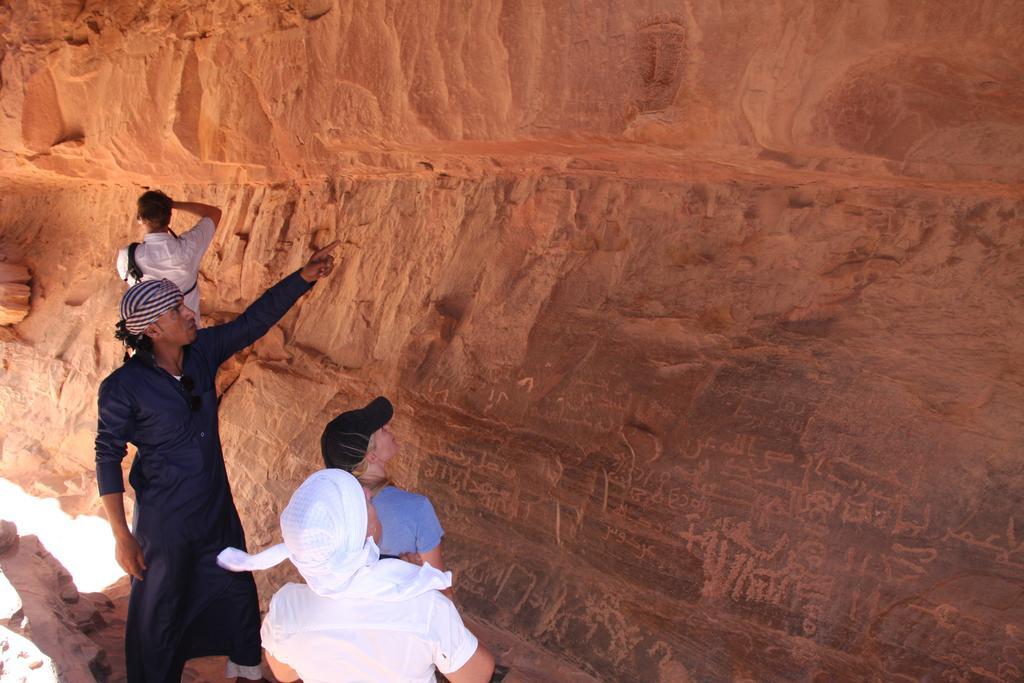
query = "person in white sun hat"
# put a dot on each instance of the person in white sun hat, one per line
(357, 618)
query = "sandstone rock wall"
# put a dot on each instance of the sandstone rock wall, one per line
(701, 319)
(683, 415)
(238, 90)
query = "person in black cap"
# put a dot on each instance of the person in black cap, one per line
(360, 441)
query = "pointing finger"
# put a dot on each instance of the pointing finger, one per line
(326, 250)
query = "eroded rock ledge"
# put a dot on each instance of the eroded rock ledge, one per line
(240, 92)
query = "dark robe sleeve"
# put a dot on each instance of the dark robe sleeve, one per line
(115, 429)
(228, 339)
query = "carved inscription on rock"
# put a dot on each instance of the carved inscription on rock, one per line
(770, 501)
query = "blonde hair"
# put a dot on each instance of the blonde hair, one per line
(374, 483)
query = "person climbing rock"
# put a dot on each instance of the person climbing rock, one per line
(357, 617)
(163, 400)
(162, 254)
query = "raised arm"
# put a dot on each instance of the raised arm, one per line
(201, 210)
(230, 338)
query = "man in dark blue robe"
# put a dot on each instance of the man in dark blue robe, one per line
(163, 400)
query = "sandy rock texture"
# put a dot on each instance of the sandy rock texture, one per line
(237, 90)
(52, 633)
(47, 623)
(15, 291)
(701, 319)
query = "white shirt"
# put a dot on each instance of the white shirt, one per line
(355, 640)
(162, 256)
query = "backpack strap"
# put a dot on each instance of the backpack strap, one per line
(133, 270)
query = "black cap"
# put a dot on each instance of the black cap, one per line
(345, 438)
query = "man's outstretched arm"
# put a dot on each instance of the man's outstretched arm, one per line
(201, 210)
(262, 314)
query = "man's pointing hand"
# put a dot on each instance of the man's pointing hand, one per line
(320, 264)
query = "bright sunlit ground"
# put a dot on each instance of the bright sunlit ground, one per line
(83, 544)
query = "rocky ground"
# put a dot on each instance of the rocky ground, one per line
(50, 632)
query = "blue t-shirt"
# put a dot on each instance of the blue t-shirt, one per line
(408, 520)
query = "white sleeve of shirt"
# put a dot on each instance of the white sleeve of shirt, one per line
(270, 631)
(122, 263)
(197, 240)
(452, 641)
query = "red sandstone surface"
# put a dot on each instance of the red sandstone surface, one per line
(701, 318)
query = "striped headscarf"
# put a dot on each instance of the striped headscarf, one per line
(146, 301)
